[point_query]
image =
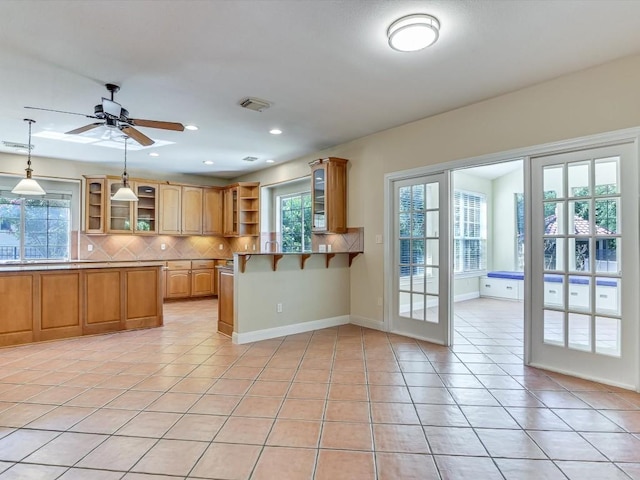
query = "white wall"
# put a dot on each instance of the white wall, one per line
(596, 100)
(504, 224)
(314, 294)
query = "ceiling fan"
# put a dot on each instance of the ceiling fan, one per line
(113, 115)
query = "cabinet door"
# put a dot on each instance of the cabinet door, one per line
(178, 283)
(318, 198)
(231, 212)
(202, 282)
(146, 210)
(119, 213)
(336, 195)
(94, 205)
(212, 211)
(192, 210)
(225, 302)
(169, 202)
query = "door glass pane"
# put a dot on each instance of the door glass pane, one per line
(608, 295)
(579, 255)
(433, 280)
(578, 179)
(417, 227)
(432, 196)
(606, 176)
(432, 224)
(580, 331)
(417, 252)
(405, 251)
(553, 327)
(404, 304)
(607, 251)
(404, 199)
(554, 218)
(405, 224)
(417, 306)
(432, 253)
(607, 216)
(553, 254)
(553, 291)
(417, 196)
(417, 279)
(579, 217)
(432, 309)
(553, 181)
(608, 336)
(579, 293)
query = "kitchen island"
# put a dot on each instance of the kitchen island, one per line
(58, 300)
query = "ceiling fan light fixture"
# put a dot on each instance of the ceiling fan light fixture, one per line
(124, 193)
(413, 32)
(28, 186)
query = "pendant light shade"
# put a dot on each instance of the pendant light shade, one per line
(28, 186)
(124, 193)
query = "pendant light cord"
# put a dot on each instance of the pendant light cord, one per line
(29, 170)
(125, 177)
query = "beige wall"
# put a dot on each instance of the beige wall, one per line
(504, 227)
(596, 100)
(315, 293)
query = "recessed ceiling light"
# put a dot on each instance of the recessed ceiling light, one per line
(270, 161)
(154, 154)
(190, 127)
(413, 32)
(275, 131)
(207, 162)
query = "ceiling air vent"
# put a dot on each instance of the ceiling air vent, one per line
(250, 159)
(254, 104)
(18, 146)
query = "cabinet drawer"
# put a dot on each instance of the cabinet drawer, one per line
(179, 265)
(202, 263)
(498, 287)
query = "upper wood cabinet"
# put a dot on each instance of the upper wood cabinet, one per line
(191, 211)
(146, 208)
(94, 205)
(212, 201)
(119, 213)
(170, 208)
(329, 195)
(242, 210)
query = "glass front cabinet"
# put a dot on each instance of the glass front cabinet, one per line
(329, 195)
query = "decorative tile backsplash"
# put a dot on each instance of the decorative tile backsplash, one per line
(140, 247)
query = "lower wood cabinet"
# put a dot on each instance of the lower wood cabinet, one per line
(190, 278)
(225, 301)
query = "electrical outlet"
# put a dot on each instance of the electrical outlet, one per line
(322, 248)
(328, 247)
(220, 246)
(246, 247)
(379, 301)
(279, 308)
(90, 247)
(254, 247)
(163, 246)
(378, 238)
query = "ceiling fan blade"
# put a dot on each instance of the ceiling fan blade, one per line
(137, 135)
(61, 111)
(86, 128)
(157, 124)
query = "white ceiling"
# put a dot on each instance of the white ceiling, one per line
(325, 65)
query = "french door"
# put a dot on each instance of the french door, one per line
(420, 253)
(584, 269)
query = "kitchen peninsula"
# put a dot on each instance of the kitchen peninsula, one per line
(57, 300)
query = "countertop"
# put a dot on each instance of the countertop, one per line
(76, 265)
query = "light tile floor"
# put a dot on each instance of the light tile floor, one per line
(341, 403)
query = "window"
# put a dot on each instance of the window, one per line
(519, 231)
(469, 232)
(295, 222)
(35, 228)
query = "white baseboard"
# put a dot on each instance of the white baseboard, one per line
(367, 322)
(275, 332)
(585, 377)
(466, 296)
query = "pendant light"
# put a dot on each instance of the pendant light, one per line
(28, 186)
(124, 193)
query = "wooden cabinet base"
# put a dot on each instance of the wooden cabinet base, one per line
(225, 301)
(49, 305)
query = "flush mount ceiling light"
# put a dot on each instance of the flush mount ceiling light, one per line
(207, 162)
(413, 32)
(275, 131)
(191, 127)
(28, 186)
(154, 154)
(270, 161)
(124, 193)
